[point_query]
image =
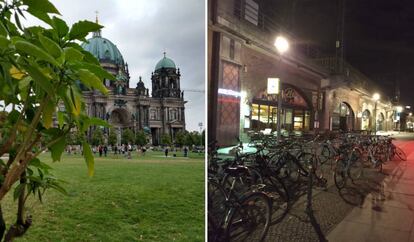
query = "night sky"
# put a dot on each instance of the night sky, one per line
(379, 36)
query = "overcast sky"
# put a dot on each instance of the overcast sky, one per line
(142, 30)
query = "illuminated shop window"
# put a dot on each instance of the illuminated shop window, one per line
(273, 118)
(307, 121)
(298, 120)
(255, 112)
(264, 114)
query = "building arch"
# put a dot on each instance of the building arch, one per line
(381, 121)
(366, 120)
(343, 117)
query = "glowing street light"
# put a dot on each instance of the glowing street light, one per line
(281, 44)
(376, 97)
(399, 110)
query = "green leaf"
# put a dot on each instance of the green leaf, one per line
(40, 15)
(60, 118)
(4, 42)
(41, 79)
(98, 122)
(51, 46)
(82, 28)
(17, 20)
(95, 69)
(87, 153)
(41, 5)
(60, 26)
(3, 30)
(58, 188)
(33, 50)
(90, 58)
(58, 148)
(23, 83)
(72, 54)
(19, 189)
(48, 112)
(76, 99)
(91, 80)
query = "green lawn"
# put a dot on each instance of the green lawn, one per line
(149, 198)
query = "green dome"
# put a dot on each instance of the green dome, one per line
(103, 49)
(165, 63)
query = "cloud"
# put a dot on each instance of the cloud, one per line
(142, 30)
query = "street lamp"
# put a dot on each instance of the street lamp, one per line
(375, 97)
(399, 110)
(282, 45)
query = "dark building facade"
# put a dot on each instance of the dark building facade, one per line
(241, 58)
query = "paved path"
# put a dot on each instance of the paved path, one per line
(387, 214)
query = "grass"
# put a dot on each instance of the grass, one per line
(149, 198)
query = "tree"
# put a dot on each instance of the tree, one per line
(97, 137)
(165, 139)
(141, 138)
(38, 72)
(180, 138)
(112, 137)
(203, 138)
(74, 138)
(127, 136)
(196, 138)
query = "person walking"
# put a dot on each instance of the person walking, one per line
(105, 150)
(100, 150)
(166, 151)
(129, 149)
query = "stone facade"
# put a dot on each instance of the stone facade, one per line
(162, 113)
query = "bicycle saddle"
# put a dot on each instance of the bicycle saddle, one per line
(237, 170)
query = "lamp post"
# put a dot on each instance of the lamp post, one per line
(399, 109)
(282, 45)
(375, 97)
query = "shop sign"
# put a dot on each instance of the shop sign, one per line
(292, 97)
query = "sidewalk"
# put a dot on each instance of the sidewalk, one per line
(388, 213)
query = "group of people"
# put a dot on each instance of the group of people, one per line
(102, 149)
(125, 149)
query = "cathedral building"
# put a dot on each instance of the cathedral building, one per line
(161, 113)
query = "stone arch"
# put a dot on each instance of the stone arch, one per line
(120, 117)
(381, 121)
(366, 120)
(343, 117)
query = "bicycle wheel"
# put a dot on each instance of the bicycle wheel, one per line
(243, 183)
(279, 194)
(400, 153)
(340, 174)
(324, 154)
(212, 230)
(356, 167)
(216, 201)
(250, 220)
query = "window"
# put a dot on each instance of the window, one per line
(264, 114)
(255, 111)
(298, 120)
(251, 12)
(153, 114)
